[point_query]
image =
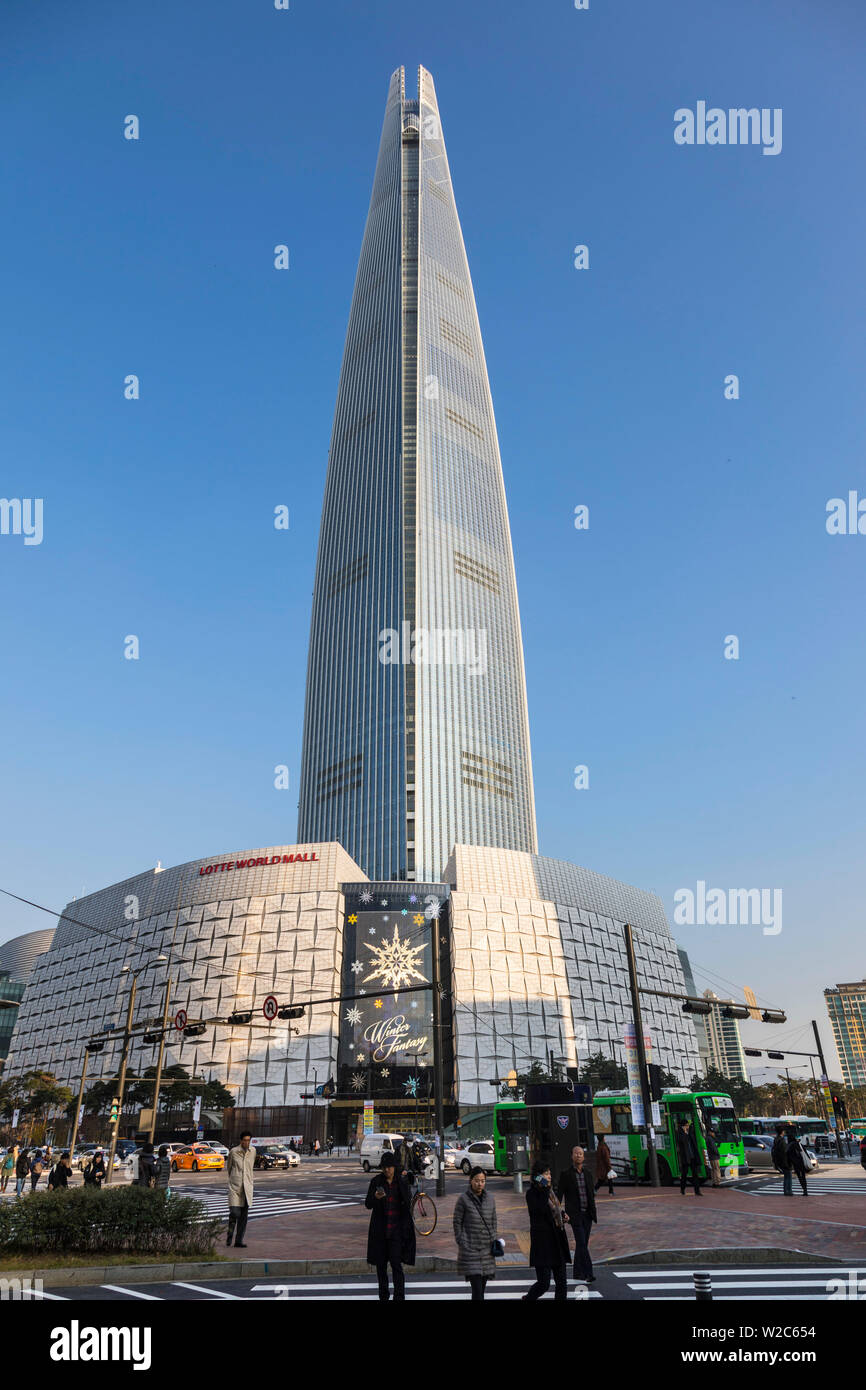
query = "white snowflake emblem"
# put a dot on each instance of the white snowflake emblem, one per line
(372, 931)
(366, 897)
(359, 1081)
(413, 897)
(353, 1015)
(357, 967)
(384, 902)
(384, 1072)
(396, 962)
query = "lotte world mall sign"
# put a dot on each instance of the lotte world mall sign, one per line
(306, 858)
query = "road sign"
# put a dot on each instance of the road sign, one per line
(269, 1008)
(180, 1020)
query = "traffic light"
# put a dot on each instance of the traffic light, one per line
(697, 1006)
(774, 1016)
(151, 1037)
(752, 1051)
(291, 1011)
(655, 1081)
(115, 1110)
(195, 1030)
(241, 1016)
(840, 1109)
(95, 1045)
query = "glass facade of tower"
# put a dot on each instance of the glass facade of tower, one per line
(403, 757)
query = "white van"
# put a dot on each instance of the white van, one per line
(373, 1146)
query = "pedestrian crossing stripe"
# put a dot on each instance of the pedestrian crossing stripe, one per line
(217, 1204)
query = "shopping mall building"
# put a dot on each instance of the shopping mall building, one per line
(532, 962)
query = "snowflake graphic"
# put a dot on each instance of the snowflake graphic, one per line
(353, 1015)
(384, 1072)
(418, 919)
(362, 991)
(396, 962)
(377, 1003)
(361, 1057)
(366, 897)
(353, 917)
(413, 897)
(404, 912)
(358, 1081)
(372, 931)
(357, 967)
(432, 911)
(410, 1086)
(384, 902)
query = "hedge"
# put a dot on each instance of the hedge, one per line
(112, 1219)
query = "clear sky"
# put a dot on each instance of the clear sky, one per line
(707, 515)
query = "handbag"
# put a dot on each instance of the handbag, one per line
(611, 1175)
(497, 1244)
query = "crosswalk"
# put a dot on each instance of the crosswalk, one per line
(773, 1283)
(436, 1287)
(267, 1204)
(817, 1185)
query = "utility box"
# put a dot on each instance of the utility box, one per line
(518, 1153)
(559, 1115)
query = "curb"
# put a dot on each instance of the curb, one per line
(213, 1269)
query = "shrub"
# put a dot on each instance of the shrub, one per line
(111, 1220)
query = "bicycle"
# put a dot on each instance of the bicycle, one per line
(423, 1208)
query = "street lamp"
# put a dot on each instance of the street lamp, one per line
(124, 1058)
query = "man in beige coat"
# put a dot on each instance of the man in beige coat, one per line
(239, 1168)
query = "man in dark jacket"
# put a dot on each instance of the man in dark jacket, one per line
(781, 1161)
(59, 1175)
(147, 1167)
(714, 1155)
(576, 1190)
(797, 1158)
(391, 1237)
(22, 1168)
(687, 1153)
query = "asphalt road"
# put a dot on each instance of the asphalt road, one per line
(656, 1283)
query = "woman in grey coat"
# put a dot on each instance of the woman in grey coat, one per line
(474, 1231)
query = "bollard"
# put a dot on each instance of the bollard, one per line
(518, 1181)
(703, 1287)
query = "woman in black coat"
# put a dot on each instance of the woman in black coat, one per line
(391, 1237)
(549, 1250)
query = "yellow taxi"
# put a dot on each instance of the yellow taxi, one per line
(195, 1157)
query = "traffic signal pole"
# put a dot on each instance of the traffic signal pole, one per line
(160, 1059)
(652, 1157)
(823, 1074)
(127, 1033)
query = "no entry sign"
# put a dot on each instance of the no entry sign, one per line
(180, 1020)
(269, 1008)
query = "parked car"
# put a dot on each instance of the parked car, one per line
(758, 1149)
(271, 1156)
(194, 1158)
(480, 1154)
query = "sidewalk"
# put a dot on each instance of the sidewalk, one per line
(636, 1219)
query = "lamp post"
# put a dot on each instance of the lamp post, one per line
(124, 1059)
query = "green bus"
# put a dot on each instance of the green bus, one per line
(711, 1110)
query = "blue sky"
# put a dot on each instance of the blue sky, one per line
(707, 516)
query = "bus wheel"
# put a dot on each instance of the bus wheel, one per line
(665, 1175)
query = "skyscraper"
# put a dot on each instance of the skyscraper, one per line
(416, 734)
(723, 1040)
(846, 1006)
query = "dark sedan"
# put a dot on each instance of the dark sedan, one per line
(271, 1156)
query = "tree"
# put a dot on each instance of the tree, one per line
(603, 1073)
(533, 1076)
(216, 1097)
